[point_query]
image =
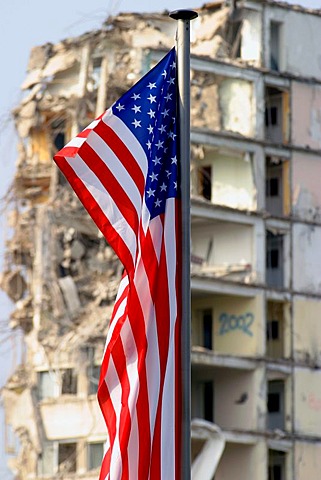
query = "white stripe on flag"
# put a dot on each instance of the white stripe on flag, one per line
(122, 132)
(105, 201)
(117, 168)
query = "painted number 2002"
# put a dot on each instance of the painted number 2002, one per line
(236, 322)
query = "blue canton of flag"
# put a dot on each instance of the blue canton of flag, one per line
(149, 111)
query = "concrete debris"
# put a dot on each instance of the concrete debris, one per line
(14, 284)
(18, 382)
(70, 293)
(39, 56)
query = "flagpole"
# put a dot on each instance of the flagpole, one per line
(183, 18)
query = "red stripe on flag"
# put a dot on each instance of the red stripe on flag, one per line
(119, 358)
(111, 184)
(97, 214)
(161, 299)
(137, 322)
(105, 406)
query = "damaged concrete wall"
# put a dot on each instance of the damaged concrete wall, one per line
(307, 335)
(228, 33)
(308, 459)
(306, 263)
(296, 57)
(208, 33)
(306, 195)
(307, 398)
(222, 103)
(54, 419)
(306, 115)
(237, 324)
(21, 416)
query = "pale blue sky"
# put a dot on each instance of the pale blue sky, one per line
(24, 24)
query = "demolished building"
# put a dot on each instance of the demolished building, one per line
(256, 231)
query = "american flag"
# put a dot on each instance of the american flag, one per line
(124, 168)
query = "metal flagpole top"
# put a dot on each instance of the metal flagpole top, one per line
(183, 14)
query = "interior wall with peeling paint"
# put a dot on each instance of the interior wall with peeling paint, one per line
(239, 462)
(251, 37)
(232, 179)
(236, 105)
(222, 103)
(235, 400)
(223, 244)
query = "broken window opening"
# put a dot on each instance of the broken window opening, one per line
(95, 452)
(277, 189)
(273, 187)
(67, 457)
(274, 260)
(276, 115)
(96, 73)
(272, 331)
(207, 329)
(49, 386)
(59, 141)
(203, 399)
(205, 182)
(234, 37)
(47, 460)
(58, 135)
(57, 457)
(276, 465)
(63, 271)
(208, 401)
(68, 382)
(93, 371)
(275, 405)
(275, 46)
(271, 116)
(275, 330)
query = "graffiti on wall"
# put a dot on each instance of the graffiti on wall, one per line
(231, 323)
